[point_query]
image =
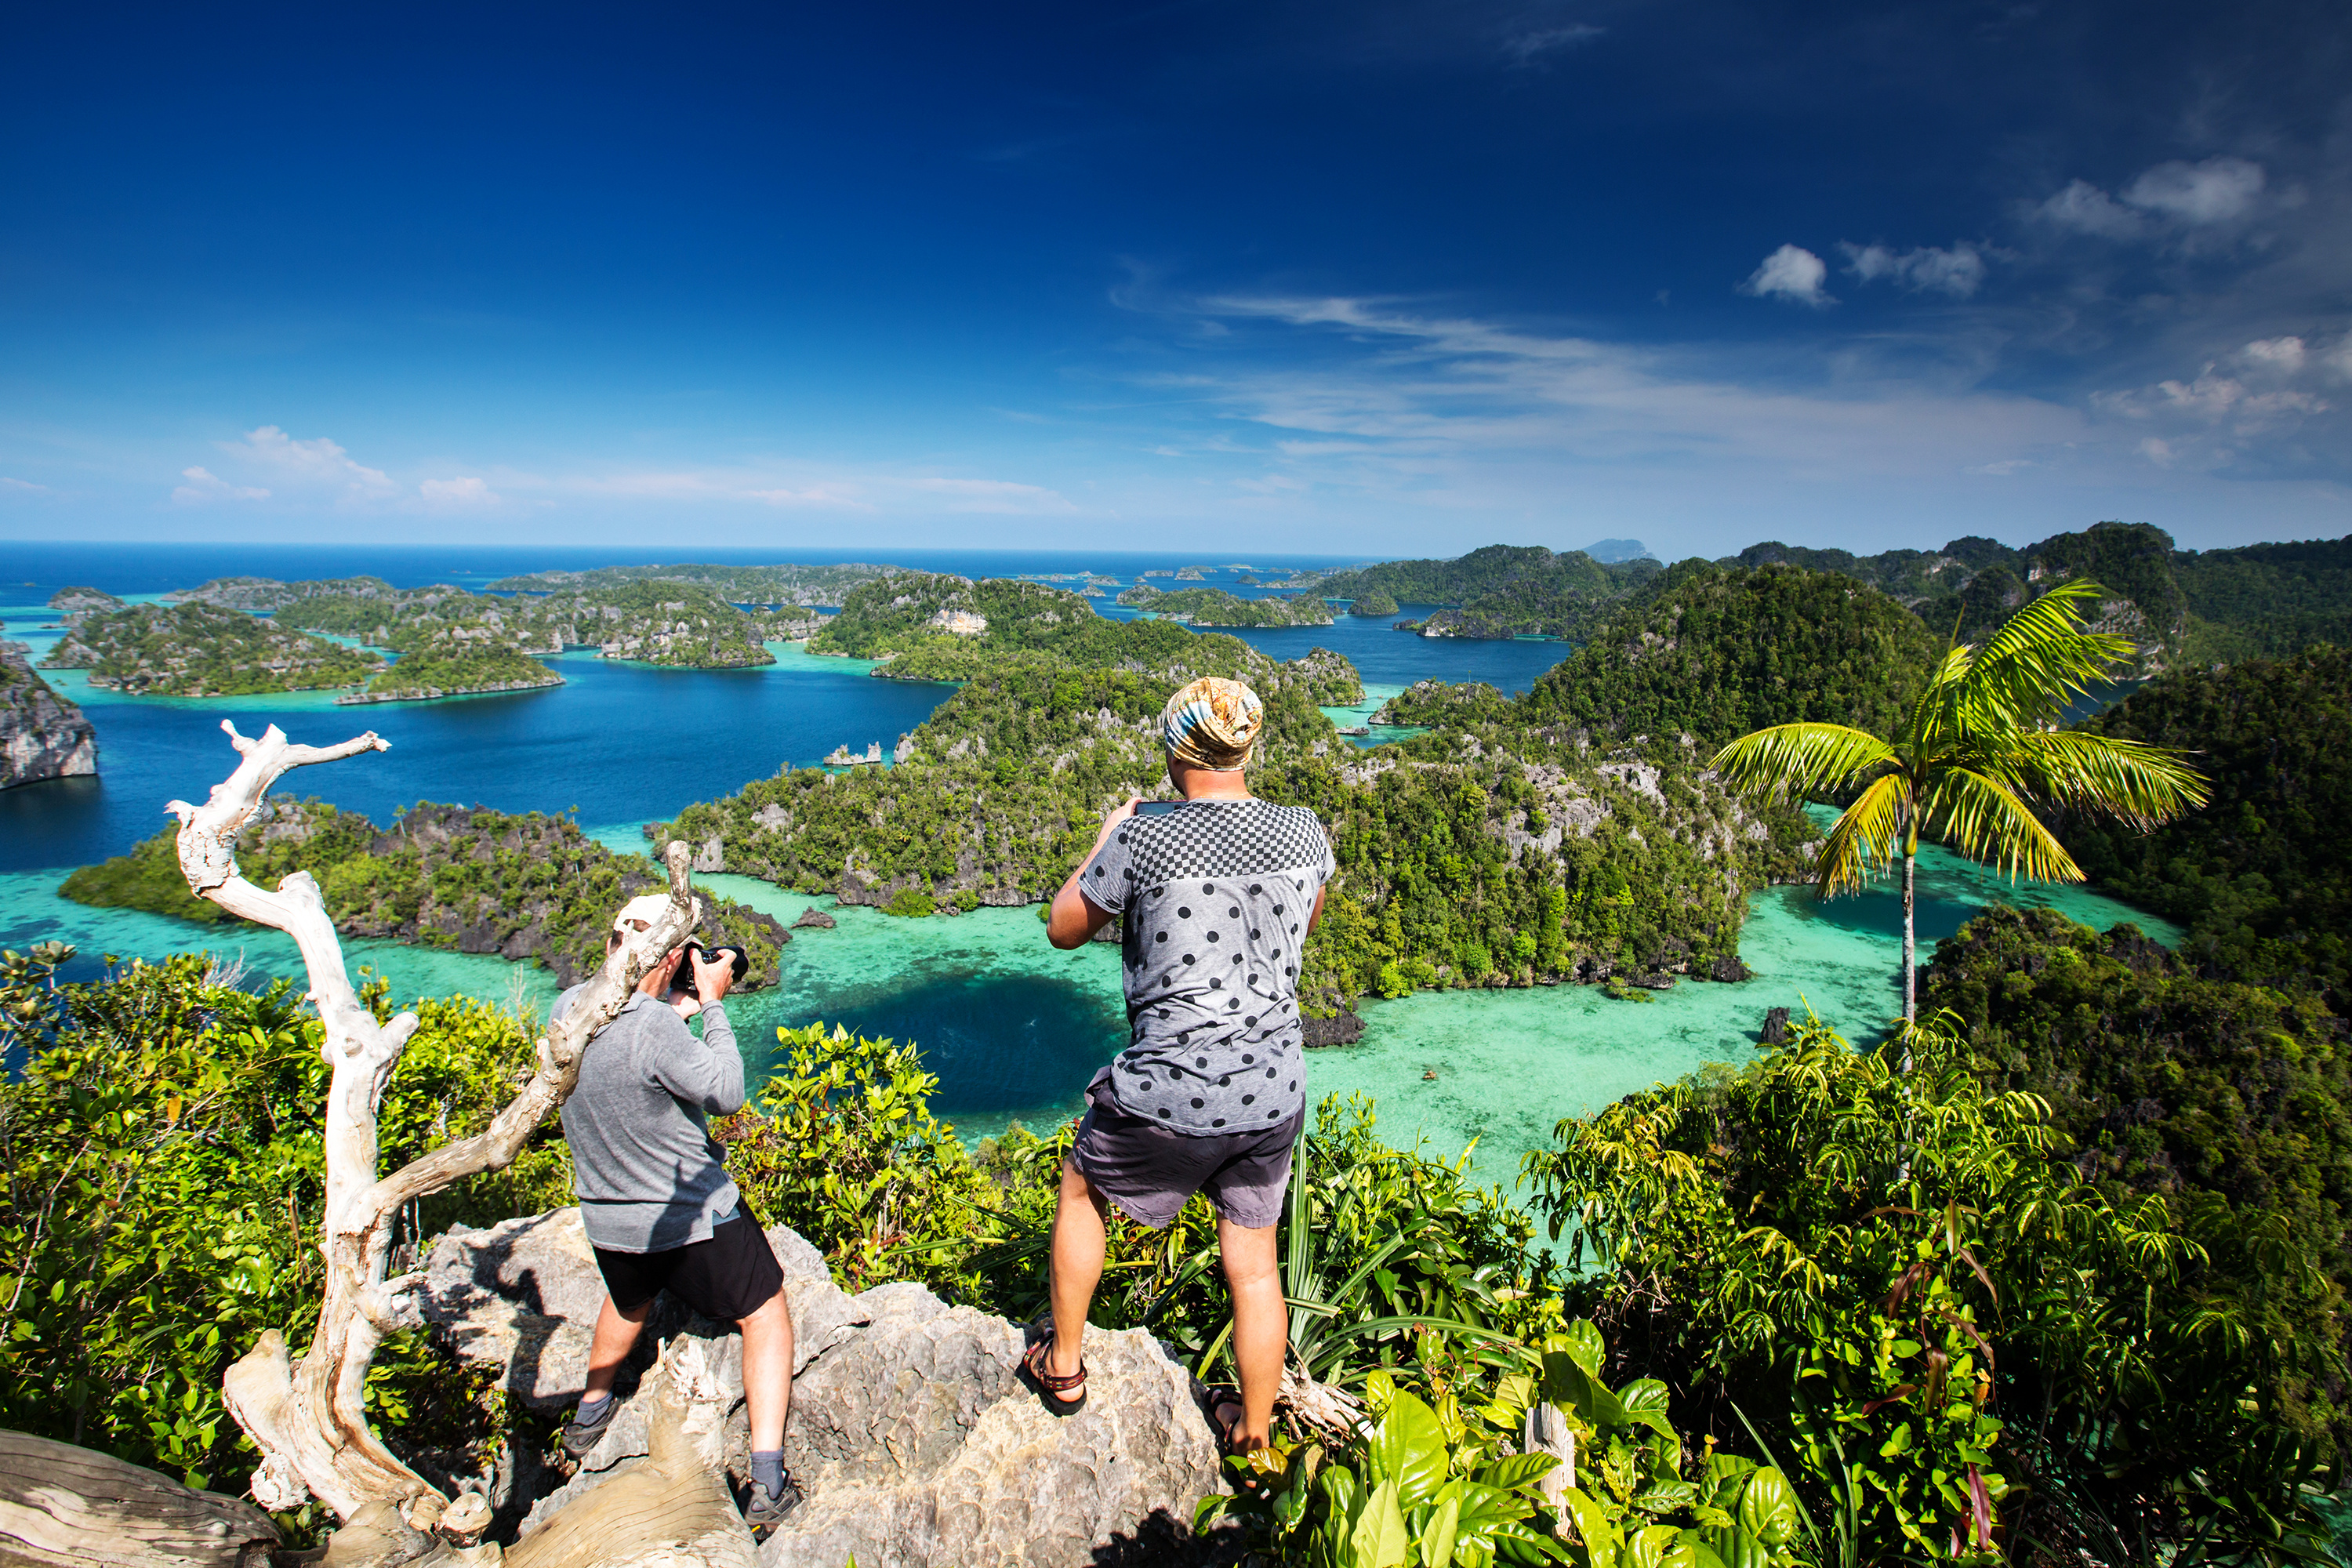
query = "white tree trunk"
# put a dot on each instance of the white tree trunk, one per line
(308, 1419)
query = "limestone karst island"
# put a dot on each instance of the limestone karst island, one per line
(1536, 785)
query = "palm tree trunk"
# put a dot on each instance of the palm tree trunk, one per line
(1910, 967)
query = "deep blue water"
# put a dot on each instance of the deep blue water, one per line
(624, 743)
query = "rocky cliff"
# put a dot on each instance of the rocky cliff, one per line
(42, 735)
(912, 1435)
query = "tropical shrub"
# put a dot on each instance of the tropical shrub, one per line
(164, 1181)
(1909, 1291)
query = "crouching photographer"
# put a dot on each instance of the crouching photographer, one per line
(655, 1199)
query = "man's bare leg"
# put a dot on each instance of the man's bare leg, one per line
(1261, 1326)
(1078, 1243)
(768, 1371)
(616, 1336)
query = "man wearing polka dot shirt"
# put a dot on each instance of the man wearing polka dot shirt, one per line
(1217, 896)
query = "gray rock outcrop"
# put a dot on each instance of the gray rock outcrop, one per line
(913, 1435)
(42, 735)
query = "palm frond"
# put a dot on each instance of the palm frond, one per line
(2038, 659)
(1928, 724)
(1866, 838)
(2132, 782)
(1984, 819)
(1801, 759)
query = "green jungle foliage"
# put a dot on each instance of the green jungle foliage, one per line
(1900, 1286)
(2266, 600)
(651, 621)
(2260, 876)
(446, 668)
(1501, 864)
(165, 1188)
(779, 585)
(1215, 607)
(201, 650)
(443, 876)
(2232, 1103)
(1501, 591)
(1716, 654)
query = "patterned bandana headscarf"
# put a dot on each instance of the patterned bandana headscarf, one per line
(1212, 723)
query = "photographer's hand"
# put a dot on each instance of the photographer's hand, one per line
(712, 979)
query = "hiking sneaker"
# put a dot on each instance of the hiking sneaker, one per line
(764, 1509)
(581, 1436)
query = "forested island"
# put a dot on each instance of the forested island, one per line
(1215, 607)
(470, 880)
(197, 650)
(771, 587)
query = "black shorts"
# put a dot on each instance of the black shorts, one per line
(728, 1277)
(1148, 1170)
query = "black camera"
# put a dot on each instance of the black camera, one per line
(684, 979)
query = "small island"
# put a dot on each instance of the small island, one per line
(1215, 607)
(450, 668)
(198, 649)
(72, 602)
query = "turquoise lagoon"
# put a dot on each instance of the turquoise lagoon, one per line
(1012, 1028)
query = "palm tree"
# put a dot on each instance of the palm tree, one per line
(1980, 748)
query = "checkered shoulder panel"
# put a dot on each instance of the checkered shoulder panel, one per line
(1249, 838)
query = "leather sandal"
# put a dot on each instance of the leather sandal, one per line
(1050, 1387)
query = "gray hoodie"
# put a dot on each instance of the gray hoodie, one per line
(648, 1175)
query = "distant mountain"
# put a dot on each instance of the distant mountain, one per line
(1501, 591)
(1608, 551)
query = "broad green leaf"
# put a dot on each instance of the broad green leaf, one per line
(1570, 1386)
(1691, 1550)
(1584, 1345)
(1436, 1543)
(1378, 1539)
(1600, 1537)
(1644, 1400)
(1517, 1470)
(1648, 1546)
(1768, 1508)
(1408, 1447)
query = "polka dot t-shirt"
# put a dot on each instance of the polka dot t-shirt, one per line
(1215, 896)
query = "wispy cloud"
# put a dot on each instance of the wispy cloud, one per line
(1531, 47)
(1791, 273)
(457, 495)
(1926, 269)
(2174, 197)
(318, 461)
(203, 485)
(25, 485)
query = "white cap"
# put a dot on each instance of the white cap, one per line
(646, 908)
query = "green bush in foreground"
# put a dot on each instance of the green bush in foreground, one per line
(1903, 1283)
(164, 1183)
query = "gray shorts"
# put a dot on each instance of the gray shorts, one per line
(1148, 1170)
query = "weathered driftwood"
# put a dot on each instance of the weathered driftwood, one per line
(64, 1505)
(307, 1419)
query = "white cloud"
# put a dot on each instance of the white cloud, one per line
(2003, 468)
(1925, 269)
(1526, 49)
(2186, 195)
(1792, 273)
(2215, 191)
(2084, 208)
(26, 485)
(2210, 398)
(2338, 361)
(833, 496)
(2283, 355)
(204, 486)
(316, 461)
(2156, 451)
(457, 495)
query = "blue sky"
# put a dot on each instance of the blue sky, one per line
(1365, 278)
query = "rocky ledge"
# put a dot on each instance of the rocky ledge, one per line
(42, 735)
(913, 1437)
